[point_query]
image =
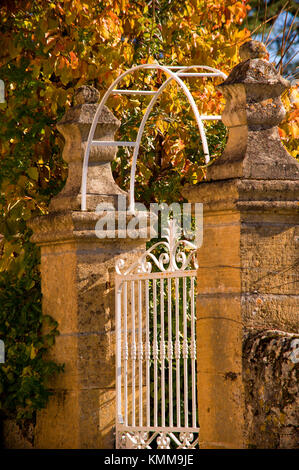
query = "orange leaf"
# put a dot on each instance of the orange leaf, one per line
(74, 60)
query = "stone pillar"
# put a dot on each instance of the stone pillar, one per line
(77, 272)
(248, 264)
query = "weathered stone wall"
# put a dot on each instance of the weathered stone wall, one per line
(271, 385)
(15, 436)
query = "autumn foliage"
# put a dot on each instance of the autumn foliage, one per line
(289, 128)
(48, 50)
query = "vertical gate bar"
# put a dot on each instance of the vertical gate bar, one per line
(118, 352)
(140, 352)
(193, 356)
(133, 346)
(185, 352)
(126, 354)
(170, 354)
(155, 354)
(147, 355)
(162, 350)
(177, 353)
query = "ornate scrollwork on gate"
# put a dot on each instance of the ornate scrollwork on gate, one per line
(160, 440)
(163, 441)
(177, 255)
(186, 438)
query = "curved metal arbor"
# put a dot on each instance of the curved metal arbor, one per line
(182, 71)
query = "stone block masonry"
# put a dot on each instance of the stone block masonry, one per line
(248, 276)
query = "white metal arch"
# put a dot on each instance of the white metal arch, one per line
(181, 72)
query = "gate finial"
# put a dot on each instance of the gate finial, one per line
(253, 50)
(74, 126)
(252, 113)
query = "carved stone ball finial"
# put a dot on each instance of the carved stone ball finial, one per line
(253, 50)
(86, 94)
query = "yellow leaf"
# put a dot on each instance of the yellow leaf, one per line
(294, 130)
(32, 172)
(33, 352)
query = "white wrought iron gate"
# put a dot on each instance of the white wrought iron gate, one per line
(156, 348)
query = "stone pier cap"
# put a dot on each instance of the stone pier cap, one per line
(252, 113)
(104, 198)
